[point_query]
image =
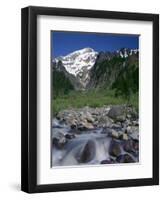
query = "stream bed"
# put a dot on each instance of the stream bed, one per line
(92, 143)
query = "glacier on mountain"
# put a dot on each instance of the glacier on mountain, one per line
(78, 61)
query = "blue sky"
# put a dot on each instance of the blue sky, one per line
(67, 42)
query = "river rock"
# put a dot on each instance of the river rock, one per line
(125, 158)
(135, 123)
(89, 117)
(107, 162)
(136, 145)
(128, 116)
(115, 134)
(111, 132)
(70, 135)
(87, 153)
(116, 127)
(73, 126)
(107, 131)
(123, 136)
(134, 114)
(55, 123)
(117, 113)
(133, 132)
(131, 146)
(134, 136)
(114, 149)
(59, 139)
(104, 121)
(128, 146)
(84, 126)
(75, 131)
(70, 121)
(130, 110)
(126, 123)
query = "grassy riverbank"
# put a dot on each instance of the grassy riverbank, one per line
(93, 98)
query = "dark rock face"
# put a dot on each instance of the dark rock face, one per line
(58, 69)
(88, 152)
(105, 71)
(115, 148)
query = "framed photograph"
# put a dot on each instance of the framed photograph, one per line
(90, 99)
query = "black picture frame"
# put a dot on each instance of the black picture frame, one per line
(29, 99)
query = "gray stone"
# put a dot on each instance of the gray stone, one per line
(107, 131)
(133, 132)
(123, 136)
(125, 158)
(87, 153)
(136, 123)
(115, 134)
(131, 146)
(135, 136)
(115, 148)
(59, 139)
(104, 121)
(117, 113)
(116, 127)
(89, 117)
(128, 116)
(107, 162)
(70, 135)
(85, 126)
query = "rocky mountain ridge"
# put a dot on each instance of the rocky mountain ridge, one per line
(87, 68)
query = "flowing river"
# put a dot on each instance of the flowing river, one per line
(87, 147)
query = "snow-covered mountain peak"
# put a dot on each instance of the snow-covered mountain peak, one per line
(80, 51)
(78, 61)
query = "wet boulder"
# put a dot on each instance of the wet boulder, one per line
(133, 132)
(107, 131)
(87, 153)
(70, 135)
(123, 136)
(128, 146)
(59, 139)
(125, 158)
(117, 126)
(115, 134)
(131, 146)
(84, 126)
(114, 148)
(107, 162)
